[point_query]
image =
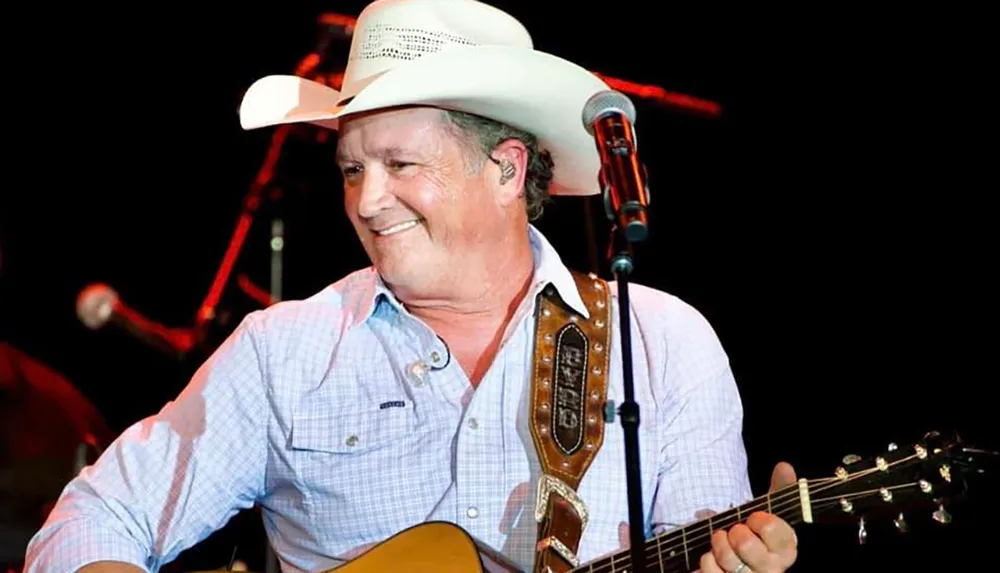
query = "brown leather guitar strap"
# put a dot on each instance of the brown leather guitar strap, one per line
(569, 389)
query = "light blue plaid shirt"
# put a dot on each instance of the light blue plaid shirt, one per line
(343, 417)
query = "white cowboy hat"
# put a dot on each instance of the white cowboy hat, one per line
(461, 55)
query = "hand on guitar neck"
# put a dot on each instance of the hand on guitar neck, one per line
(766, 543)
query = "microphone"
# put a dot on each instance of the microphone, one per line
(608, 116)
(98, 305)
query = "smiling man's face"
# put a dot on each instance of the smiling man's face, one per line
(422, 210)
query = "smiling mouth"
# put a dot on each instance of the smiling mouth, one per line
(397, 228)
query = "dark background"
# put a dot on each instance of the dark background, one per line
(829, 225)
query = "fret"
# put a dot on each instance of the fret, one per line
(674, 550)
(687, 558)
(659, 553)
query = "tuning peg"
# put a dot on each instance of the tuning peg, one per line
(942, 515)
(901, 524)
(893, 447)
(862, 532)
(945, 470)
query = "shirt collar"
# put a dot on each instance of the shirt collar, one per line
(369, 291)
(549, 269)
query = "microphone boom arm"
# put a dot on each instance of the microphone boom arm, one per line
(251, 202)
(307, 67)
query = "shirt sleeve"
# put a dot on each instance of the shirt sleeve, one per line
(703, 461)
(172, 479)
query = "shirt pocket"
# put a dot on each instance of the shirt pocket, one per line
(353, 467)
(350, 431)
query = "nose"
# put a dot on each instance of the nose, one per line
(374, 194)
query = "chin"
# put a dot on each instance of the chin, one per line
(397, 269)
(415, 274)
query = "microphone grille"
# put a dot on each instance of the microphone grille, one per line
(95, 305)
(606, 101)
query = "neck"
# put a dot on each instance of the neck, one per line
(484, 295)
(474, 316)
(680, 550)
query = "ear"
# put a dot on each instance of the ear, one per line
(506, 170)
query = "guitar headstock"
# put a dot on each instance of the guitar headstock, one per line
(923, 477)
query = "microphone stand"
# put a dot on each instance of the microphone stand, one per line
(306, 68)
(620, 258)
(251, 202)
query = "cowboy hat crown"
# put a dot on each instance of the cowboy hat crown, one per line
(460, 55)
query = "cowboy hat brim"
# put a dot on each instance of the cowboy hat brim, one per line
(527, 89)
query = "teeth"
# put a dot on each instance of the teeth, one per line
(397, 228)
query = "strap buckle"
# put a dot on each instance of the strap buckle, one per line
(548, 484)
(559, 547)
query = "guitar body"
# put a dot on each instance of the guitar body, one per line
(431, 547)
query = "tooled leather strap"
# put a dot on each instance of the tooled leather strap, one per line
(567, 413)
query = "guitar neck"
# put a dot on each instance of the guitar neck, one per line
(680, 550)
(919, 476)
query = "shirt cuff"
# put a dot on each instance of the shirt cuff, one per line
(78, 543)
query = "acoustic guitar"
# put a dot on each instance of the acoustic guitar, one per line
(928, 475)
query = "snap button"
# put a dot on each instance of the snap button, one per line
(418, 373)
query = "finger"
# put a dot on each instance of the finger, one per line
(782, 476)
(777, 535)
(724, 553)
(709, 565)
(704, 513)
(750, 549)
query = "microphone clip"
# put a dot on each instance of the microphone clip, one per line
(628, 206)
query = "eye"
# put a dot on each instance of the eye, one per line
(350, 170)
(399, 164)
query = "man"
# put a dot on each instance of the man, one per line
(400, 394)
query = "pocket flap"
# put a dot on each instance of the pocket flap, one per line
(337, 429)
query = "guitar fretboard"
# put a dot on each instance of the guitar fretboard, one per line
(680, 550)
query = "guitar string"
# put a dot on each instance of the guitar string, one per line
(779, 502)
(675, 566)
(820, 504)
(625, 559)
(658, 548)
(783, 502)
(816, 486)
(654, 562)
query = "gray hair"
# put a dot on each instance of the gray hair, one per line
(483, 135)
